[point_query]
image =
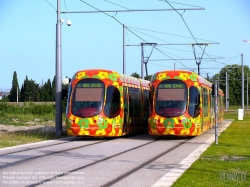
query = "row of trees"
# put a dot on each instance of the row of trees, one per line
(31, 91)
(234, 73)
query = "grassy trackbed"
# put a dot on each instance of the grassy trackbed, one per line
(225, 164)
(15, 115)
(14, 139)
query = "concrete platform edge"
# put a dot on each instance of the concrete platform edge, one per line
(169, 178)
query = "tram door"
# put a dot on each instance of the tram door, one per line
(126, 108)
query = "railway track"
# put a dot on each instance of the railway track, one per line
(96, 162)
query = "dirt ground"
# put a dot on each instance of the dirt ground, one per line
(12, 128)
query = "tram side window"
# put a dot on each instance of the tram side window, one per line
(68, 99)
(134, 102)
(147, 108)
(194, 102)
(205, 101)
(112, 106)
(125, 98)
(146, 99)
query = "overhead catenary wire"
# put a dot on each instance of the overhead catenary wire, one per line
(127, 28)
(182, 4)
(154, 37)
(51, 4)
(185, 24)
(159, 45)
(127, 36)
(232, 58)
(116, 4)
(134, 28)
(182, 20)
(164, 53)
(111, 17)
(65, 5)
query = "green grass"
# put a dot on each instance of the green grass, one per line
(26, 114)
(14, 139)
(25, 119)
(225, 164)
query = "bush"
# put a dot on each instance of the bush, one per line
(27, 108)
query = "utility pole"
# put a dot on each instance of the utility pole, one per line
(216, 110)
(227, 98)
(58, 93)
(17, 94)
(143, 61)
(154, 44)
(242, 84)
(247, 91)
(124, 51)
(199, 59)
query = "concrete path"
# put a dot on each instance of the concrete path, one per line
(171, 176)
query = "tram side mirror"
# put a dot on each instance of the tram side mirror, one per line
(65, 91)
(213, 91)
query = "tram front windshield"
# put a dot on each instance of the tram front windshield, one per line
(87, 98)
(171, 98)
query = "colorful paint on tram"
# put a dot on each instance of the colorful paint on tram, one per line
(181, 104)
(107, 104)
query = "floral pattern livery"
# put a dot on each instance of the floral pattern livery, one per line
(101, 125)
(183, 125)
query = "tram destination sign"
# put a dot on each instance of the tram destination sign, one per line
(90, 85)
(170, 86)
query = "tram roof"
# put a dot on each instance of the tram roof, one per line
(92, 73)
(200, 79)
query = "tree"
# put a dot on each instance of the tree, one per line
(53, 89)
(136, 75)
(148, 77)
(14, 91)
(234, 73)
(42, 92)
(30, 91)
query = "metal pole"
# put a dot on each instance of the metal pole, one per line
(216, 112)
(242, 86)
(198, 68)
(142, 60)
(124, 52)
(179, 44)
(226, 91)
(58, 93)
(247, 91)
(132, 10)
(17, 94)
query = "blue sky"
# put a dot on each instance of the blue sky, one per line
(95, 40)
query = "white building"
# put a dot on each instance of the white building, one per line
(4, 94)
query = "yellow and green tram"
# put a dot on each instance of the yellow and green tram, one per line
(182, 104)
(107, 104)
